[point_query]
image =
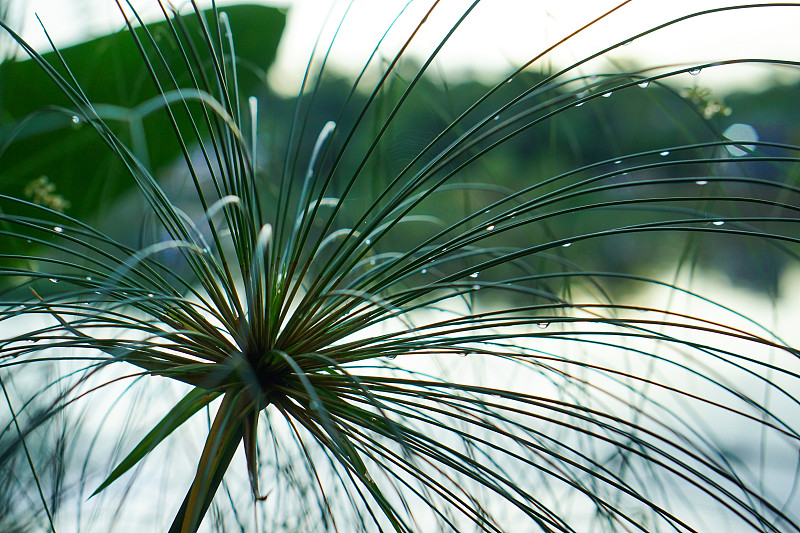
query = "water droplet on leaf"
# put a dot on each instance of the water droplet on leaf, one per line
(718, 222)
(474, 275)
(490, 228)
(58, 229)
(694, 71)
(607, 95)
(542, 325)
(665, 153)
(566, 245)
(701, 182)
(644, 84)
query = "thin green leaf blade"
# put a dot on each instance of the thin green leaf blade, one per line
(183, 410)
(220, 446)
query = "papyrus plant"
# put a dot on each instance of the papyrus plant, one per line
(400, 340)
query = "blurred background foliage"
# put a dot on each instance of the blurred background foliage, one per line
(57, 160)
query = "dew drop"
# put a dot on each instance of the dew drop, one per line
(542, 325)
(423, 271)
(391, 357)
(618, 162)
(368, 242)
(497, 117)
(150, 294)
(76, 119)
(463, 354)
(627, 43)
(694, 71)
(701, 182)
(58, 229)
(490, 228)
(665, 153)
(476, 287)
(566, 245)
(579, 104)
(371, 261)
(474, 275)
(607, 95)
(644, 84)
(88, 278)
(718, 222)
(53, 280)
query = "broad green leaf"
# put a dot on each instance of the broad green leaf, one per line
(64, 158)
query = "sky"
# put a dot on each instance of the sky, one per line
(497, 35)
